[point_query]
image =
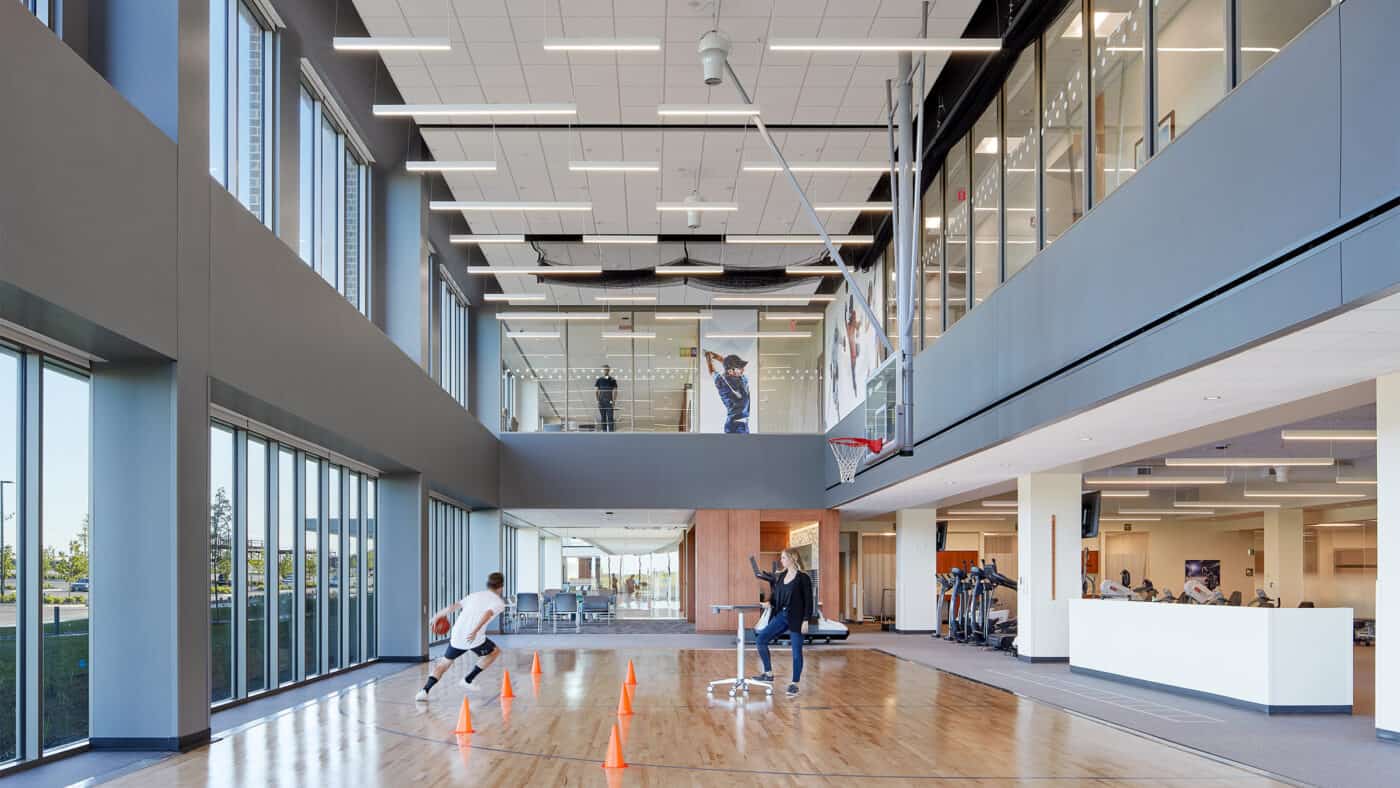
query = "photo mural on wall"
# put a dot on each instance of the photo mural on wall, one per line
(729, 372)
(852, 348)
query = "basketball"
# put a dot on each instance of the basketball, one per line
(441, 626)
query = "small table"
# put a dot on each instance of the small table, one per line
(740, 683)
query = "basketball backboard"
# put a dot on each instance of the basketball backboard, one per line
(881, 399)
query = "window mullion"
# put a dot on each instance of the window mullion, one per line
(29, 584)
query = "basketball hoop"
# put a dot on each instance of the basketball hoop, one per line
(850, 451)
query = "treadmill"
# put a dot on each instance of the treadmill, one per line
(819, 629)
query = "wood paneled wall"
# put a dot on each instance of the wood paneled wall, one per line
(724, 540)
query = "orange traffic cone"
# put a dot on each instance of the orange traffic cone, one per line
(631, 674)
(631, 692)
(535, 668)
(464, 719)
(613, 760)
(624, 703)
(506, 692)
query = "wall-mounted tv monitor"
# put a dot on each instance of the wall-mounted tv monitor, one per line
(1089, 515)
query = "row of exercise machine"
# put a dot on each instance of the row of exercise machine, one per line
(967, 605)
(968, 611)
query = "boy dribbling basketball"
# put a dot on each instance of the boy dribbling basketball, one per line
(469, 633)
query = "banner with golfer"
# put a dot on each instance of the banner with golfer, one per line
(728, 383)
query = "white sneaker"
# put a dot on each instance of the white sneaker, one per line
(421, 697)
(469, 686)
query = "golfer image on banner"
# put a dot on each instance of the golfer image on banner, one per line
(733, 388)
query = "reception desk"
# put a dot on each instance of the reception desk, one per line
(1272, 660)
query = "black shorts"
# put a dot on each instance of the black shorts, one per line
(486, 647)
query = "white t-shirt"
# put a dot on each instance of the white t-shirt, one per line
(473, 607)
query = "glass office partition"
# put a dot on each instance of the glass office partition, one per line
(1064, 118)
(986, 204)
(1265, 26)
(1120, 36)
(956, 227)
(1192, 73)
(1021, 159)
(931, 261)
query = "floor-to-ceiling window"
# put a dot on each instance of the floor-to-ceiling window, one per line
(448, 575)
(1020, 152)
(221, 494)
(1192, 63)
(1064, 116)
(986, 205)
(48, 399)
(931, 261)
(452, 336)
(1265, 26)
(956, 227)
(334, 189)
(371, 519)
(1119, 53)
(241, 91)
(261, 506)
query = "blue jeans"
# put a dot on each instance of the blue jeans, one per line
(777, 625)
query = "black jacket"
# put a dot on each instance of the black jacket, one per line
(800, 606)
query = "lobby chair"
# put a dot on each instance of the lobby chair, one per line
(527, 605)
(566, 606)
(597, 606)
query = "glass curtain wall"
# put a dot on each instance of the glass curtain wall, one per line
(1064, 120)
(35, 389)
(1051, 169)
(645, 585)
(257, 498)
(334, 189)
(241, 90)
(553, 373)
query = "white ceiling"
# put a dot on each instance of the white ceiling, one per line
(1331, 362)
(498, 57)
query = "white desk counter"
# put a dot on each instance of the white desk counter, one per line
(1272, 660)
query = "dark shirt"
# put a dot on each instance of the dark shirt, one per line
(607, 389)
(734, 393)
(795, 598)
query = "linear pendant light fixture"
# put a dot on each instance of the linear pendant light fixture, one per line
(1154, 481)
(532, 334)
(391, 44)
(812, 240)
(614, 166)
(472, 238)
(704, 205)
(1329, 435)
(689, 270)
(602, 45)
(819, 167)
(490, 110)
(449, 166)
(1250, 462)
(760, 335)
(498, 205)
(552, 316)
(884, 44)
(794, 316)
(678, 316)
(854, 207)
(1165, 511)
(772, 299)
(700, 110)
(813, 270)
(536, 270)
(625, 299)
(514, 296)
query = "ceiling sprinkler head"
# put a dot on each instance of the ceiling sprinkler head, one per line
(714, 50)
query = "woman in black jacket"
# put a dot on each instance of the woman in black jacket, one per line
(792, 594)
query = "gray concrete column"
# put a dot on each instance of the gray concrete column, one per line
(1048, 562)
(1283, 555)
(1387, 555)
(402, 573)
(915, 563)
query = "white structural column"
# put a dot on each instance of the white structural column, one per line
(1283, 555)
(1048, 560)
(915, 563)
(1387, 555)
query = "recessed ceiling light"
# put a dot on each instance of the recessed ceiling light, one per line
(1130, 519)
(1224, 505)
(1337, 525)
(1163, 511)
(1010, 503)
(1124, 493)
(1211, 397)
(390, 44)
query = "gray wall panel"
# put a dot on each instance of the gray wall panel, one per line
(1370, 72)
(280, 334)
(1371, 260)
(622, 471)
(88, 203)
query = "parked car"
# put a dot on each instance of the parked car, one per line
(81, 584)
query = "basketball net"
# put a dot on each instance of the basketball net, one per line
(849, 452)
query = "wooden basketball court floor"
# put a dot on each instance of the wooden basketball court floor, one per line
(863, 716)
